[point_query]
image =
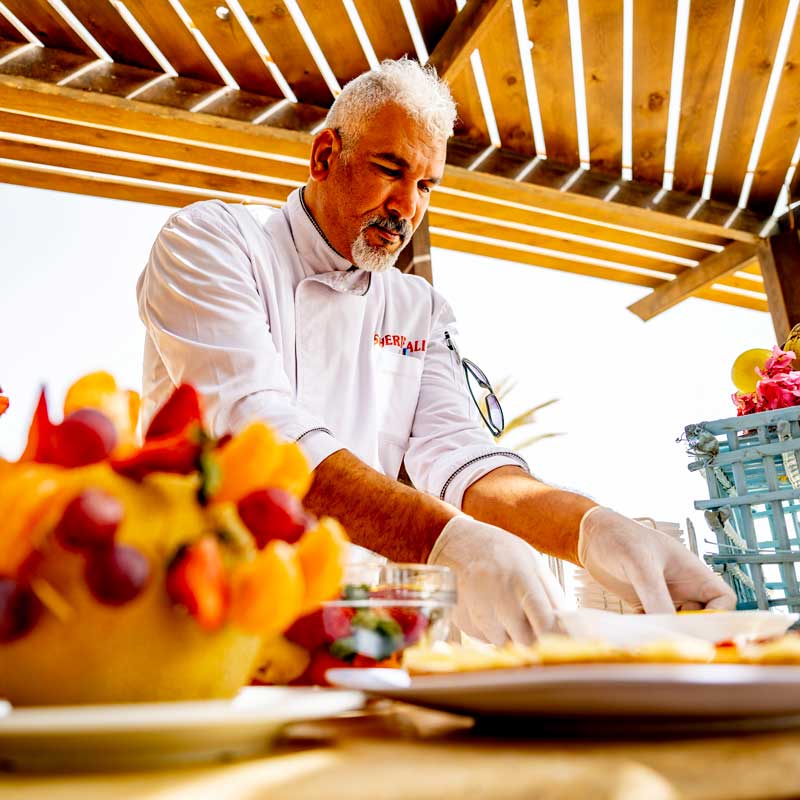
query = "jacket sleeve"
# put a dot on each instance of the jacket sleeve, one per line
(450, 447)
(205, 319)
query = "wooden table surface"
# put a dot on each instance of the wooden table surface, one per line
(398, 752)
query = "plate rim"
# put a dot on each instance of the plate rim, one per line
(120, 718)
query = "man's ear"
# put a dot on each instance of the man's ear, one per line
(325, 149)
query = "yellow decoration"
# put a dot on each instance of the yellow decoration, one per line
(743, 372)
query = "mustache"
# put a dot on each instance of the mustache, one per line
(391, 224)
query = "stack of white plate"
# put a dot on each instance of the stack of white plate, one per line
(589, 593)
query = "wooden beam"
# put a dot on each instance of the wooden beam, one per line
(592, 207)
(415, 257)
(465, 34)
(710, 270)
(46, 100)
(780, 265)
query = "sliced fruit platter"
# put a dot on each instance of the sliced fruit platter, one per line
(152, 571)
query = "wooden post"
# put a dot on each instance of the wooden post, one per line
(779, 257)
(415, 257)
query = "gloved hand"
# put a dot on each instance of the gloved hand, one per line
(645, 567)
(505, 588)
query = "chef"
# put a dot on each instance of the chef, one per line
(297, 318)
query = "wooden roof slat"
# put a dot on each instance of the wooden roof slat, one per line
(8, 32)
(653, 42)
(434, 18)
(466, 33)
(728, 298)
(171, 124)
(111, 78)
(44, 64)
(55, 157)
(709, 271)
(451, 241)
(104, 22)
(47, 25)
(652, 219)
(644, 197)
(183, 93)
(470, 123)
(173, 39)
(73, 184)
(336, 37)
(782, 133)
(615, 239)
(548, 28)
(387, 30)
(709, 21)
(140, 145)
(758, 40)
(560, 248)
(601, 35)
(503, 69)
(229, 41)
(276, 28)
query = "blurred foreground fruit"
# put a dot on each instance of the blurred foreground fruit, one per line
(273, 514)
(127, 572)
(89, 521)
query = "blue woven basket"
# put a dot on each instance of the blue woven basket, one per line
(752, 467)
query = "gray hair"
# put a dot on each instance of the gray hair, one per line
(416, 89)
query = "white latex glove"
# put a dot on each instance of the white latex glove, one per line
(505, 588)
(645, 567)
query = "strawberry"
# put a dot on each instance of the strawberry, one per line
(364, 662)
(412, 621)
(180, 411)
(321, 662)
(336, 622)
(308, 631)
(196, 580)
(178, 454)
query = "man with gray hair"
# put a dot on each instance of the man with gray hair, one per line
(298, 320)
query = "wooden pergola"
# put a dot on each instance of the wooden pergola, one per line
(650, 142)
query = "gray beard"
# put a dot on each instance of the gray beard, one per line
(372, 259)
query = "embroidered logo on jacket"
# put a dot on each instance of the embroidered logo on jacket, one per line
(402, 343)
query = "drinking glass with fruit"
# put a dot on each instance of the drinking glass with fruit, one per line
(153, 571)
(382, 609)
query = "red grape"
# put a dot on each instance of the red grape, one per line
(84, 437)
(273, 514)
(117, 574)
(89, 521)
(19, 609)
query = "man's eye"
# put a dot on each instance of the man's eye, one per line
(393, 173)
(425, 188)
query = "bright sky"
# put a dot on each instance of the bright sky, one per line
(626, 388)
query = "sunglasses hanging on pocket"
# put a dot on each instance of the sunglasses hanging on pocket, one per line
(481, 391)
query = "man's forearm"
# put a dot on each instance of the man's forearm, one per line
(546, 517)
(379, 513)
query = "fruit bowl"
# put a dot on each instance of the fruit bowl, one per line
(382, 609)
(156, 571)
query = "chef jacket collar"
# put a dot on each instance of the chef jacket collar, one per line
(317, 256)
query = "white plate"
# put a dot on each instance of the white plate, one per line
(158, 734)
(689, 691)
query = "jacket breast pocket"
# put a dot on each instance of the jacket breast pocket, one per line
(398, 382)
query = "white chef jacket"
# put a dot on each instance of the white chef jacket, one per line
(269, 322)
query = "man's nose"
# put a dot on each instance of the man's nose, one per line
(403, 202)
